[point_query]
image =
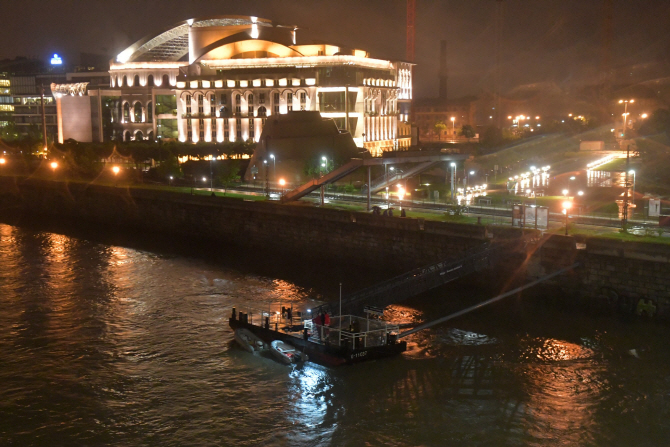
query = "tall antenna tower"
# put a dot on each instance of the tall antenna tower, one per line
(498, 46)
(411, 12)
(606, 56)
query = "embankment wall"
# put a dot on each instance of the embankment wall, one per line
(613, 275)
(361, 239)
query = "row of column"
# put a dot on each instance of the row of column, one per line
(380, 128)
(220, 127)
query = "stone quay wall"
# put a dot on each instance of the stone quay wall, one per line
(361, 239)
(613, 275)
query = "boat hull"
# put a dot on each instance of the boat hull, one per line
(284, 352)
(327, 355)
(248, 340)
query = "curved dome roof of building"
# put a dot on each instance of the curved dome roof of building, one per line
(172, 44)
(225, 37)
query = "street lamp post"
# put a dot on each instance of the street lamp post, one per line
(453, 127)
(632, 171)
(211, 175)
(467, 177)
(453, 180)
(566, 206)
(274, 167)
(54, 165)
(267, 180)
(625, 114)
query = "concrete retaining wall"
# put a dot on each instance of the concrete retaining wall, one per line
(632, 277)
(361, 239)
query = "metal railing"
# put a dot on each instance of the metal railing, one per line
(415, 281)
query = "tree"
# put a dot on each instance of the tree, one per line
(228, 173)
(169, 167)
(9, 132)
(439, 126)
(467, 131)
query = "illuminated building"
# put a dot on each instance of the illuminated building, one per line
(6, 100)
(219, 79)
(452, 115)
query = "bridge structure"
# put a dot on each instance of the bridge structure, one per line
(419, 280)
(422, 161)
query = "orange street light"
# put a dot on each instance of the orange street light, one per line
(2, 161)
(115, 170)
(625, 114)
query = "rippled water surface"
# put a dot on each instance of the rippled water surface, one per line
(102, 344)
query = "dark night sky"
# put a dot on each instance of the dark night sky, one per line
(543, 40)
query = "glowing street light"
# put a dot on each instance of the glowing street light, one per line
(115, 170)
(453, 126)
(54, 165)
(401, 192)
(2, 161)
(625, 114)
(282, 183)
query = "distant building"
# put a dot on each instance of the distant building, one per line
(22, 81)
(219, 79)
(6, 100)
(441, 121)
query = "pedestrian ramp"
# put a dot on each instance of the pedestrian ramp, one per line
(414, 282)
(314, 184)
(390, 178)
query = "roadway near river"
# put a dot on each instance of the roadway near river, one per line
(489, 214)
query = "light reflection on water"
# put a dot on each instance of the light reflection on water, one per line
(108, 345)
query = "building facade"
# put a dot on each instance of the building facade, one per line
(6, 100)
(220, 79)
(441, 121)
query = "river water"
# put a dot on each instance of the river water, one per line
(113, 342)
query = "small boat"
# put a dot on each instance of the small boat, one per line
(285, 353)
(248, 340)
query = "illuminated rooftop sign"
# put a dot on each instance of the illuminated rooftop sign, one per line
(56, 60)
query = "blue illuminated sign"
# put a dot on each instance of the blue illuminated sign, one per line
(56, 60)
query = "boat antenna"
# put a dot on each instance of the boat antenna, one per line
(340, 300)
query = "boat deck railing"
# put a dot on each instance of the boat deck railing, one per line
(348, 330)
(353, 331)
